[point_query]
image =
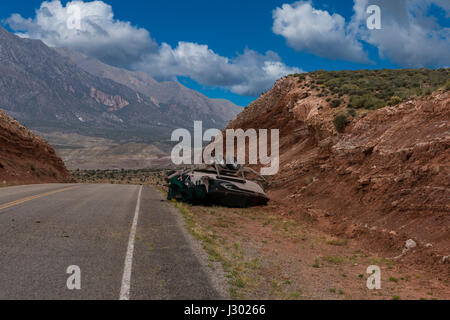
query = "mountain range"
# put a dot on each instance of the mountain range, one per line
(79, 104)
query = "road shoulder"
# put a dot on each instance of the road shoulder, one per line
(169, 263)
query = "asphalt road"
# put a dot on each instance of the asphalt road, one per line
(128, 244)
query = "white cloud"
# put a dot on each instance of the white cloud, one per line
(112, 41)
(410, 36)
(260, 71)
(316, 31)
(249, 73)
(121, 44)
(191, 60)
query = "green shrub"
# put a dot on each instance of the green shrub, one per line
(395, 100)
(340, 122)
(352, 112)
(335, 103)
(374, 103)
(357, 102)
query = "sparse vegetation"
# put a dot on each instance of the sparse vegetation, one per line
(335, 103)
(340, 122)
(352, 112)
(316, 263)
(241, 271)
(337, 242)
(395, 100)
(392, 279)
(122, 176)
(334, 260)
(374, 89)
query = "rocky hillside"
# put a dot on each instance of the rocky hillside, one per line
(26, 158)
(171, 96)
(41, 89)
(378, 173)
(47, 91)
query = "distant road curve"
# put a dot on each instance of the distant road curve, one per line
(127, 242)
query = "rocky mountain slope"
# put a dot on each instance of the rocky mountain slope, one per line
(53, 96)
(43, 90)
(171, 96)
(380, 174)
(26, 158)
(46, 90)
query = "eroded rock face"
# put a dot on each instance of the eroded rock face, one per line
(116, 102)
(389, 170)
(26, 158)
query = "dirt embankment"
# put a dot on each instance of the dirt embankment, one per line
(382, 181)
(26, 158)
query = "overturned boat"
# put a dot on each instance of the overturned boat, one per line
(221, 184)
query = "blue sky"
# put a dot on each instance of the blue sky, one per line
(230, 27)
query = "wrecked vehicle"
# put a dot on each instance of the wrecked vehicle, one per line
(221, 184)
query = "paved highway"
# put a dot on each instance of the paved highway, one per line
(127, 242)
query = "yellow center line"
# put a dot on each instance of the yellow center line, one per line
(23, 200)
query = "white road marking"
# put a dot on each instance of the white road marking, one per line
(126, 278)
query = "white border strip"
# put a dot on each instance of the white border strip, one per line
(126, 278)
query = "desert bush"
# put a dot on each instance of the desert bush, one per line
(395, 100)
(335, 103)
(357, 102)
(352, 112)
(340, 122)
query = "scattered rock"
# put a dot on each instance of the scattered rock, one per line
(364, 181)
(410, 244)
